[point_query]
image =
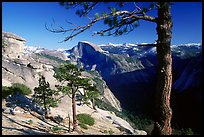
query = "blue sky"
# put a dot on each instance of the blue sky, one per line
(28, 19)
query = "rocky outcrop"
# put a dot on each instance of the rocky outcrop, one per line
(18, 67)
(13, 45)
(25, 72)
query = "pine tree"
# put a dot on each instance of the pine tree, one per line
(121, 20)
(91, 94)
(71, 81)
(44, 96)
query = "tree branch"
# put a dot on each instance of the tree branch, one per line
(145, 17)
(126, 18)
(148, 45)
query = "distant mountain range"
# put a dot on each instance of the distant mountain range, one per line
(130, 49)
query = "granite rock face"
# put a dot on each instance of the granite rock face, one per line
(18, 67)
(13, 45)
(25, 72)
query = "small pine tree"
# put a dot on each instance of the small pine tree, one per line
(44, 95)
(71, 75)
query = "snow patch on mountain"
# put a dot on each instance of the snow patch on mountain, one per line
(31, 49)
(61, 50)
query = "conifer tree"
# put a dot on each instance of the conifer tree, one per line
(44, 96)
(71, 83)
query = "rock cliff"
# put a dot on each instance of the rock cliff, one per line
(13, 45)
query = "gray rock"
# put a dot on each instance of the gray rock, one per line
(13, 36)
(13, 45)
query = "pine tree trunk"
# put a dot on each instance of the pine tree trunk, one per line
(44, 101)
(74, 112)
(46, 114)
(69, 125)
(93, 104)
(162, 125)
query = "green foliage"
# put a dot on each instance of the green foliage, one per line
(99, 82)
(84, 126)
(139, 122)
(92, 72)
(67, 72)
(16, 87)
(56, 128)
(109, 132)
(97, 15)
(71, 74)
(105, 106)
(113, 11)
(85, 119)
(44, 95)
(29, 122)
(90, 94)
(118, 24)
(21, 88)
(187, 131)
(6, 91)
(104, 14)
(135, 121)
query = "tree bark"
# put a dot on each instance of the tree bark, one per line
(69, 123)
(93, 104)
(163, 115)
(44, 101)
(74, 112)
